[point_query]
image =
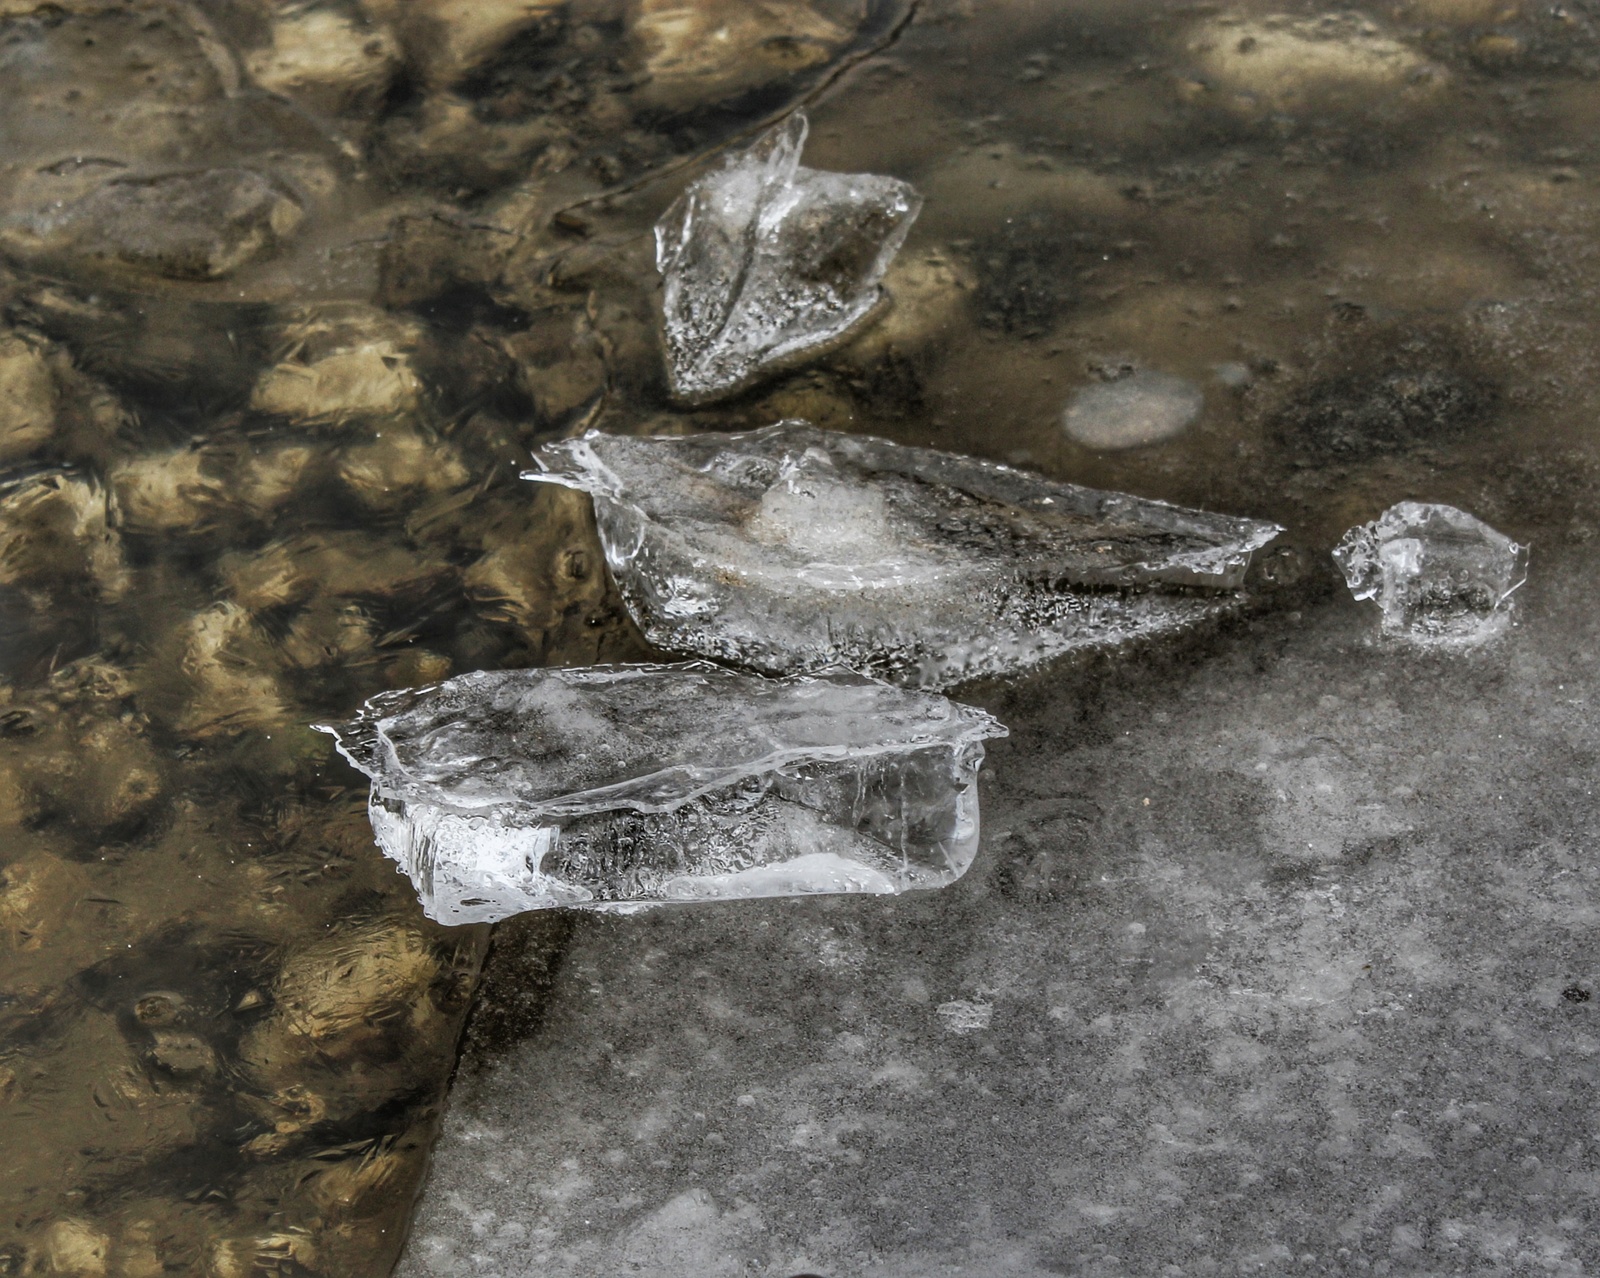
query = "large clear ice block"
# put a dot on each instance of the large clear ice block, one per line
(613, 787)
(791, 548)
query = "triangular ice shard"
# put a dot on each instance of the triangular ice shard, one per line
(615, 787)
(792, 548)
(765, 261)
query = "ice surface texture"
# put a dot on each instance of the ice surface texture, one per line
(1443, 578)
(616, 786)
(765, 261)
(791, 549)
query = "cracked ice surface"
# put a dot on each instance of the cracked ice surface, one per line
(792, 548)
(1442, 577)
(614, 787)
(765, 261)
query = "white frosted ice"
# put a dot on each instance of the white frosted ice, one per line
(1146, 407)
(614, 787)
(765, 262)
(791, 549)
(1442, 577)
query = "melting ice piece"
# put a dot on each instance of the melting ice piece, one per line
(614, 787)
(1443, 578)
(765, 261)
(792, 549)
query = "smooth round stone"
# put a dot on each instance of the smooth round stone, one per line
(1144, 408)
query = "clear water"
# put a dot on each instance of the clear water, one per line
(292, 407)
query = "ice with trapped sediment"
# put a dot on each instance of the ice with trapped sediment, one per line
(791, 549)
(1442, 577)
(616, 787)
(765, 261)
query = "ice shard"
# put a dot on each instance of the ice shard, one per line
(792, 549)
(1442, 577)
(765, 262)
(616, 787)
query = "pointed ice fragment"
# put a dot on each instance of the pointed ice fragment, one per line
(614, 787)
(792, 548)
(765, 261)
(1443, 578)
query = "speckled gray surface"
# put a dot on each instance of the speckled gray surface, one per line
(1275, 961)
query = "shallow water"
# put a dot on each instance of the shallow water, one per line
(262, 450)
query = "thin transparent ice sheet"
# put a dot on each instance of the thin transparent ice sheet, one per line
(790, 549)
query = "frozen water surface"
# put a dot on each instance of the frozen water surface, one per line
(765, 261)
(792, 548)
(619, 786)
(1442, 577)
(286, 288)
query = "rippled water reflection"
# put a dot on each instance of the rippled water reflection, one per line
(291, 291)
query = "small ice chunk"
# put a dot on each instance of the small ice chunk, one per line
(793, 549)
(1442, 577)
(1145, 407)
(615, 787)
(765, 262)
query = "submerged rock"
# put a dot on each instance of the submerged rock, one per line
(54, 529)
(356, 985)
(267, 479)
(709, 50)
(135, 151)
(341, 564)
(27, 396)
(399, 467)
(229, 665)
(452, 38)
(326, 59)
(166, 492)
(340, 364)
(38, 893)
(766, 262)
(792, 548)
(1284, 63)
(190, 226)
(1442, 577)
(614, 787)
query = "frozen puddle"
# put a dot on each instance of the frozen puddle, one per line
(615, 787)
(765, 262)
(792, 549)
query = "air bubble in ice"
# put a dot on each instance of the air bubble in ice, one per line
(1146, 407)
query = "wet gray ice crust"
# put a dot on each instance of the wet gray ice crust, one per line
(1276, 962)
(792, 548)
(765, 262)
(618, 786)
